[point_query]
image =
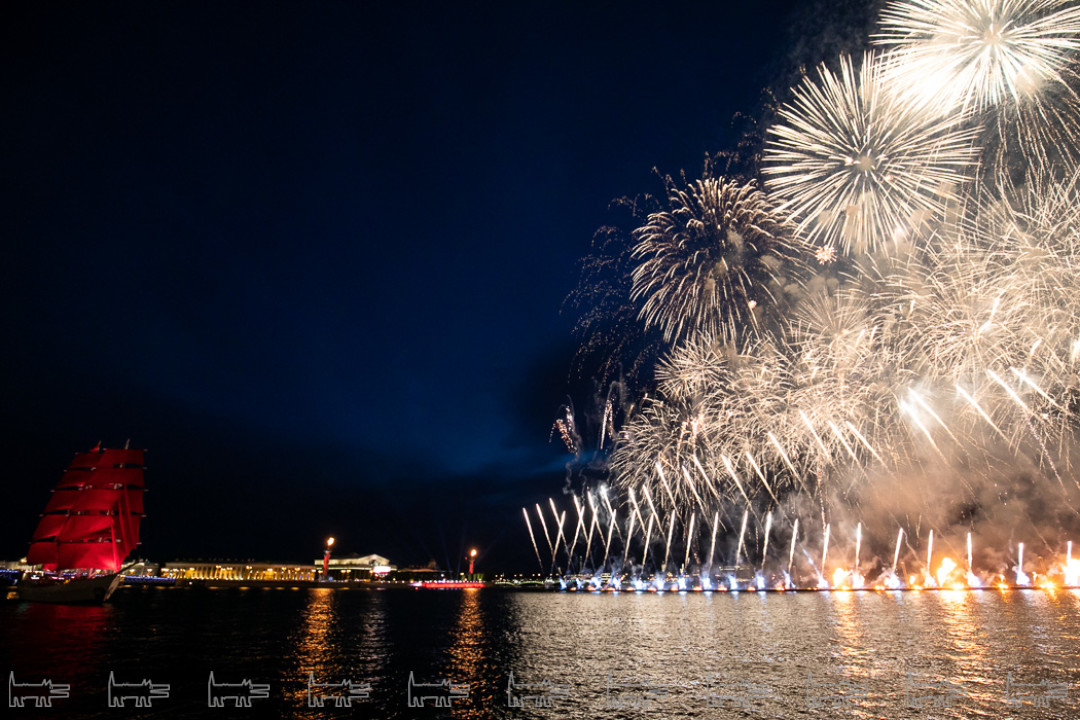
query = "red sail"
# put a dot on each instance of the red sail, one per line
(90, 527)
(50, 526)
(92, 520)
(83, 500)
(129, 541)
(43, 553)
(134, 501)
(90, 555)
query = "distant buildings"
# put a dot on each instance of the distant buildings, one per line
(355, 568)
(358, 567)
(186, 570)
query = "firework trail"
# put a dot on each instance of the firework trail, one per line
(794, 538)
(825, 549)
(689, 534)
(547, 536)
(742, 534)
(579, 527)
(712, 542)
(532, 537)
(930, 557)
(648, 537)
(607, 543)
(765, 545)
(667, 544)
(592, 527)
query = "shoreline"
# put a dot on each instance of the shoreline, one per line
(9, 591)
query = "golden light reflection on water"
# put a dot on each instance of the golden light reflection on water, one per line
(319, 616)
(314, 644)
(966, 645)
(469, 658)
(852, 643)
(853, 648)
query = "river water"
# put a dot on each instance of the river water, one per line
(858, 655)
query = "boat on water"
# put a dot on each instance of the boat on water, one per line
(89, 527)
(69, 589)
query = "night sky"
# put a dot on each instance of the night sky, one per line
(313, 256)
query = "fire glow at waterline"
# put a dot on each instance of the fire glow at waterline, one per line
(843, 570)
(911, 366)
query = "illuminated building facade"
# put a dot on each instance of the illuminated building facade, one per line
(238, 571)
(357, 567)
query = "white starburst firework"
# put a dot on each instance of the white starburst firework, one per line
(712, 261)
(860, 166)
(974, 54)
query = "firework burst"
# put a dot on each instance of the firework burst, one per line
(712, 262)
(973, 54)
(938, 359)
(861, 166)
(1011, 63)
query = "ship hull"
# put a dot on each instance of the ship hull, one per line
(77, 590)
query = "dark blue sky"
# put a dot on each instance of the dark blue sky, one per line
(313, 255)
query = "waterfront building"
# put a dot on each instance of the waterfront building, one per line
(358, 567)
(201, 570)
(355, 568)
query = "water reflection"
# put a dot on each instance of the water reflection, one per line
(65, 640)
(319, 616)
(315, 646)
(478, 637)
(469, 661)
(68, 644)
(849, 630)
(965, 644)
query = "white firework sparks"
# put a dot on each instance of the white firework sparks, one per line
(860, 166)
(944, 350)
(973, 54)
(712, 262)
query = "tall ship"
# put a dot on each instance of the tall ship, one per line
(89, 527)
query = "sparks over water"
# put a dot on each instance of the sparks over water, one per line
(885, 337)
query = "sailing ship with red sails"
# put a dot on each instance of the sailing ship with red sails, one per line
(89, 527)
